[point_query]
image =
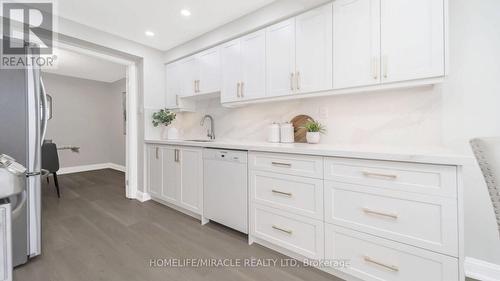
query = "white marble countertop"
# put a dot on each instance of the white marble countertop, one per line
(434, 155)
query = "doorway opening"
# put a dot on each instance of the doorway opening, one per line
(124, 104)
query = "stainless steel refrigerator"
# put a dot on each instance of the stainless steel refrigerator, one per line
(23, 123)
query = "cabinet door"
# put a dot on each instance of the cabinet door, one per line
(189, 71)
(314, 61)
(173, 77)
(209, 80)
(231, 71)
(280, 62)
(253, 65)
(191, 192)
(154, 171)
(171, 174)
(412, 39)
(356, 47)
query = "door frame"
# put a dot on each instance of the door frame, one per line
(132, 105)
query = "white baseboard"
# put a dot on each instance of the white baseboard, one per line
(93, 167)
(117, 167)
(143, 197)
(481, 270)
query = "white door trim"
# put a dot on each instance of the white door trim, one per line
(132, 153)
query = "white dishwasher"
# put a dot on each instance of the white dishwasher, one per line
(225, 187)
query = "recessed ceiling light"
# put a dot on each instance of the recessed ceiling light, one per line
(149, 33)
(185, 12)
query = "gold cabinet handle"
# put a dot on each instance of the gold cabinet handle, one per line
(298, 80)
(176, 155)
(379, 175)
(381, 264)
(292, 75)
(379, 213)
(238, 89)
(375, 68)
(157, 152)
(198, 86)
(385, 62)
(287, 231)
(282, 193)
(287, 165)
(242, 88)
(177, 100)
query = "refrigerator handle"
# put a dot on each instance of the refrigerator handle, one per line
(44, 111)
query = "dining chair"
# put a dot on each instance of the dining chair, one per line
(50, 162)
(487, 152)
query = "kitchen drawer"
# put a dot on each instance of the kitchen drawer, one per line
(377, 259)
(298, 165)
(299, 234)
(417, 178)
(425, 221)
(299, 195)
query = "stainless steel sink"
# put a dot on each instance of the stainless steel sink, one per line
(201, 140)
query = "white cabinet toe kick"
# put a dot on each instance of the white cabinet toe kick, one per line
(358, 219)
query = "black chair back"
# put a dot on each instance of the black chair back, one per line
(50, 158)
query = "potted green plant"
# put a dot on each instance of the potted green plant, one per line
(164, 118)
(314, 131)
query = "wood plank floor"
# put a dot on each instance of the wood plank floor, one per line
(94, 233)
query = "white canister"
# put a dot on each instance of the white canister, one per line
(286, 132)
(273, 133)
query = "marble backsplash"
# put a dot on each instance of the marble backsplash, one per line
(403, 117)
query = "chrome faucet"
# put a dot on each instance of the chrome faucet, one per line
(211, 131)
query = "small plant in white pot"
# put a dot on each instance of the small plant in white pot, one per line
(314, 131)
(164, 118)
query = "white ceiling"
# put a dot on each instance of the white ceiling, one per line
(131, 18)
(70, 63)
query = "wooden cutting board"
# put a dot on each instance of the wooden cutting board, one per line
(298, 122)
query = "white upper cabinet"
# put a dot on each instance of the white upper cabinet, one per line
(344, 46)
(244, 68)
(280, 62)
(189, 76)
(209, 79)
(173, 77)
(356, 48)
(313, 71)
(253, 66)
(412, 39)
(231, 71)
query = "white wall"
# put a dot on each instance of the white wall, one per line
(465, 106)
(86, 113)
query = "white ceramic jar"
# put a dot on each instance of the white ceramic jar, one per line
(273, 133)
(286, 133)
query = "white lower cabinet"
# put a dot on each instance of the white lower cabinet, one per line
(388, 221)
(154, 174)
(293, 232)
(424, 221)
(372, 258)
(175, 175)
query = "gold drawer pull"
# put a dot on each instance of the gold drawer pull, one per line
(282, 193)
(379, 175)
(378, 213)
(282, 164)
(282, 230)
(386, 266)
